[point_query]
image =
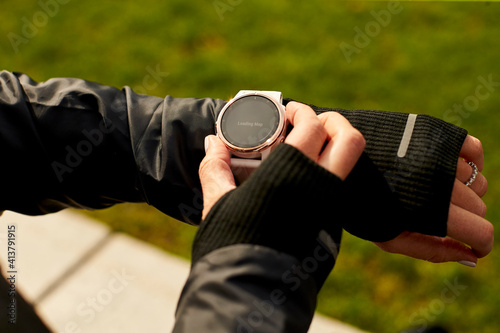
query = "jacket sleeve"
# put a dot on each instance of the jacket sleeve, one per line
(265, 249)
(246, 288)
(74, 143)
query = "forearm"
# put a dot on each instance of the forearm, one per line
(74, 143)
(64, 144)
(416, 157)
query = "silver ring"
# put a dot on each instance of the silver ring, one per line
(474, 174)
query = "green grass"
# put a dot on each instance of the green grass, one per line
(427, 59)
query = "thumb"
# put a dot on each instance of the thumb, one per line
(215, 173)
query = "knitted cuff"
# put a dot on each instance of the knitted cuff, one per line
(283, 205)
(375, 212)
(417, 155)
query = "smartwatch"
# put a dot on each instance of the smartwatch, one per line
(251, 125)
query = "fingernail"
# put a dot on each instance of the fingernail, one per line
(207, 143)
(467, 263)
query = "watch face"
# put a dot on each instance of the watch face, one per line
(250, 121)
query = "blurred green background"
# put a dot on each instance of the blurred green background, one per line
(412, 57)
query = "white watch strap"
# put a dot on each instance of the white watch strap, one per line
(237, 162)
(243, 167)
(277, 95)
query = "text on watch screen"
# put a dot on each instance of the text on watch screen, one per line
(250, 121)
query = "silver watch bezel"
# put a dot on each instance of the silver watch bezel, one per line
(256, 151)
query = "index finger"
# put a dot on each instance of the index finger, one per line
(345, 146)
(472, 150)
(308, 134)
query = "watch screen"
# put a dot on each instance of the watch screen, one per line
(250, 121)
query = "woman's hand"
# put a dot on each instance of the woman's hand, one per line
(344, 145)
(470, 236)
(310, 133)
